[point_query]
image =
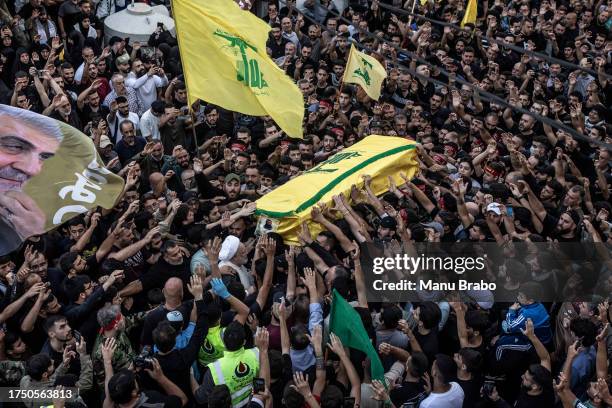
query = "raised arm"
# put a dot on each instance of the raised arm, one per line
(262, 341)
(316, 214)
(336, 346)
(541, 351)
(13, 308)
(360, 284)
(166, 385)
(269, 247)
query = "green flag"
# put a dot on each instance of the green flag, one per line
(345, 322)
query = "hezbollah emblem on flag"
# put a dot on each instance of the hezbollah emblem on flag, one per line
(366, 71)
(242, 370)
(362, 72)
(248, 68)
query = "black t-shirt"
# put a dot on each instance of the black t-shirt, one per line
(159, 314)
(154, 399)
(162, 271)
(471, 391)
(408, 392)
(429, 343)
(546, 399)
(278, 387)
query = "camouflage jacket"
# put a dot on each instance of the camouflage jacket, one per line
(124, 353)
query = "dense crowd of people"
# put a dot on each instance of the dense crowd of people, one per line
(171, 298)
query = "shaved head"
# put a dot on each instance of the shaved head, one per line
(173, 289)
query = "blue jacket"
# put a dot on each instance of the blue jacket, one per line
(516, 320)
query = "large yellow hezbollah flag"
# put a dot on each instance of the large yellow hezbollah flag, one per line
(366, 71)
(223, 51)
(377, 156)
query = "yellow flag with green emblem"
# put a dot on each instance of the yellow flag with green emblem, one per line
(223, 52)
(366, 71)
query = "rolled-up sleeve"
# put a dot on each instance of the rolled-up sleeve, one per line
(316, 316)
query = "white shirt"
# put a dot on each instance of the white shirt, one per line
(78, 74)
(146, 87)
(149, 125)
(115, 128)
(453, 398)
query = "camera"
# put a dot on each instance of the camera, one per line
(144, 360)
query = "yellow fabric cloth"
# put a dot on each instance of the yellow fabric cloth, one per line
(366, 71)
(378, 156)
(471, 11)
(223, 51)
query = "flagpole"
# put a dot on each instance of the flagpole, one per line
(189, 102)
(412, 13)
(342, 79)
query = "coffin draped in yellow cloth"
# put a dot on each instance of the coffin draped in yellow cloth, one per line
(377, 156)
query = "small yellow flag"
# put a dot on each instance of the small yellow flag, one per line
(365, 70)
(471, 11)
(223, 51)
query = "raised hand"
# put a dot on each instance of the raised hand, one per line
(262, 338)
(195, 287)
(212, 249)
(220, 289)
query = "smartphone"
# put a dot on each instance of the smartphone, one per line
(509, 211)
(259, 385)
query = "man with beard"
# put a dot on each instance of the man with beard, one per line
(130, 145)
(208, 128)
(13, 368)
(146, 82)
(85, 296)
(120, 89)
(26, 140)
(59, 333)
(61, 109)
(178, 163)
(7, 270)
(276, 43)
(120, 111)
(172, 130)
(328, 147)
(152, 159)
(114, 325)
(172, 264)
(232, 258)
(563, 228)
(88, 104)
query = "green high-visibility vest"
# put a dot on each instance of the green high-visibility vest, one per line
(237, 369)
(213, 347)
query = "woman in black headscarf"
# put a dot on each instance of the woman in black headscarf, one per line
(22, 62)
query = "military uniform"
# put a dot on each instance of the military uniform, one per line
(124, 354)
(11, 372)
